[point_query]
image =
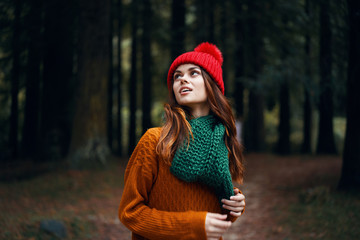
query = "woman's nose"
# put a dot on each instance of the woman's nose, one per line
(184, 80)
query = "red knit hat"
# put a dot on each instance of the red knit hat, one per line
(205, 55)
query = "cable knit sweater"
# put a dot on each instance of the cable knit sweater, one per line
(157, 205)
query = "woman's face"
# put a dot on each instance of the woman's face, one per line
(189, 87)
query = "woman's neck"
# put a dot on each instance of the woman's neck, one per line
(200, 111)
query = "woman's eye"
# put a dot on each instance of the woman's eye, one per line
(176, 76)
(195, 73)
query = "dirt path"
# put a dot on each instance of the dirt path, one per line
(271, 184)
(259, 220)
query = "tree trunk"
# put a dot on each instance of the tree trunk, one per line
(119, 80)
(326, 143)
(15, 75)
(254, 129)
(283, 146)
(111, 82)
(239, 61)
(133, 78)
(89, 133)
(177, 28)
(350, 175)
(146, 65)
(223, 41)
(238, 94)
(254, 140)
(57, 92)
(307, 129)
(204, 24)
(210, 9)
(199, 29)
(31, 119)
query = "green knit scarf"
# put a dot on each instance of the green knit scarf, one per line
(205, 160)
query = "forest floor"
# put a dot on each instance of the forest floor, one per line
(286, 198)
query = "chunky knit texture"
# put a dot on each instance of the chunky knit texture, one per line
(157, 205)
(205, 55)
(205, 159)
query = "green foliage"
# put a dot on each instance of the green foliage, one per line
(6, 17)
(325, 214)
(271, 124)
(318, 195)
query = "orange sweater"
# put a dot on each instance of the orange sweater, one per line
(157, 205)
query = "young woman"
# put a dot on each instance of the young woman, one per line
(178, 182)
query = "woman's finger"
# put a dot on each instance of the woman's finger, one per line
(217, 216)
(216, 225)
(233, 203)
(235, 214)
(234, 209)
(238, 197)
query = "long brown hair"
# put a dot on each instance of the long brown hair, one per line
(177, 129)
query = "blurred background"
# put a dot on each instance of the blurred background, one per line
(81, 81)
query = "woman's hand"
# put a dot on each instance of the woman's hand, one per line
(236, 204)
(216, 225)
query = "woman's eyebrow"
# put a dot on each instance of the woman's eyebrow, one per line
(191, 68)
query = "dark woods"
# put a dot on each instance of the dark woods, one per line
(81, 80)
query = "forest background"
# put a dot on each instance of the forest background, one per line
(81, 81)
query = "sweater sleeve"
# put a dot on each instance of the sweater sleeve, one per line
(134, 212)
